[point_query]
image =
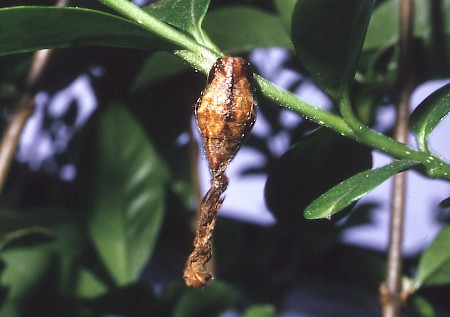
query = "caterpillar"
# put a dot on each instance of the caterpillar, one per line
(225, 114)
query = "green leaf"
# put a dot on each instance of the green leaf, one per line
(317, 163)
(383, 27)
(130, 195)
(434, 263)
(285, 8)
(25, 269)
(30, 227)
(29, 270)
(353, 189)
(328, 37)
(240, 29)
(12, 220)
(185, 14)
(25, 29)
(159, 66)
(260, 311)
(426, 117)
(422, 306)
(210, 301)
(384, 17)
(88, 285)
(431, 35)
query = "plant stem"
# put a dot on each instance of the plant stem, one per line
(314, 113)
(352, 128)
(393, 301)
(202, 58)
(11, 136)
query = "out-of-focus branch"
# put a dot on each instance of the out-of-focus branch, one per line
(391, 296)
(11, 136)
(23, 110)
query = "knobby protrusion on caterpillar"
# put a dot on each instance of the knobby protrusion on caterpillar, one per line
(225, 114)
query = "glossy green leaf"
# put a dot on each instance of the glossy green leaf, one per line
(241, 28)
(429, 114)
(25, 29)
(353, 189)
(434, 263)
(328, 37)
(211, 301)
(185, 14)
(260, 311)
(130, 195)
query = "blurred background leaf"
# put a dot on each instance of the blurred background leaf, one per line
(328, 38)
(129, 200)
(196, 302)
(434, 264)
(260, 311)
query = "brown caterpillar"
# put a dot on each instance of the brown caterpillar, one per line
(225, 114)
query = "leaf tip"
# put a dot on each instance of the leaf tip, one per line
(312, 213)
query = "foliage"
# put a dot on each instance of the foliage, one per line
(89, 248)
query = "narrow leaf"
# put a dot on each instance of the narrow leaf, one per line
(25, 29)
(434, 264)
(353, 189)
(426, 117)
(328, 37)
(129, 202)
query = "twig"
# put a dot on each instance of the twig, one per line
(24, 109)
(11, 136)
(391, 297)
